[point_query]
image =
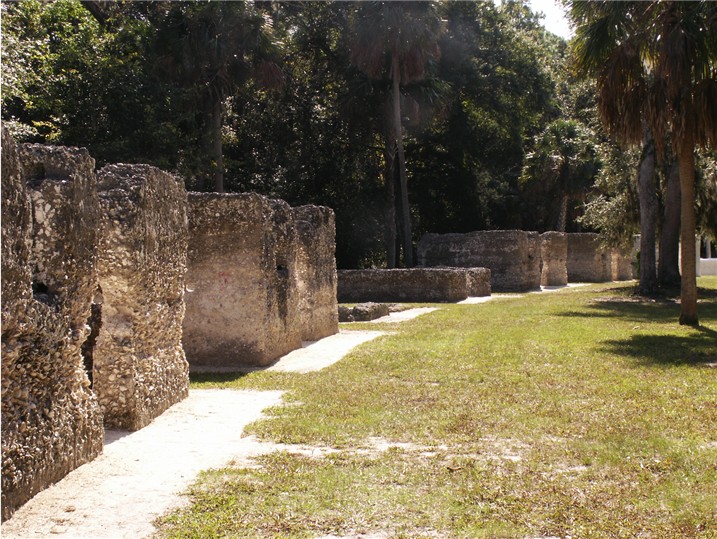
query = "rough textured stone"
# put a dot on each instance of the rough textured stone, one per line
(622, 264)
(242, 308)
(553, 258)
(316, 271)
(139, 365)
(478, 282)
(587, 260)
(412, 285)
(365, 312)
(51, 422)
(513, 256)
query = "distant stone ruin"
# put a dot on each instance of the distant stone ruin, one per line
(412, 285)
(553, 259)
(316, 271)
(139, 368)
(255, 268)
(588, 261)
(51, 421)
(512, 256)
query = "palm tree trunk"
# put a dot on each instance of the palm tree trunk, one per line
(648, 218)
(668, 269)
(405, 212)
(563, 214)
(217, 150)
(390, 210)
(688, 292)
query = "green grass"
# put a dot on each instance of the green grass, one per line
(583, 413)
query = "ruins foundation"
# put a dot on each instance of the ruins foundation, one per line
(242, 306)
(139, 365)
(512, 256)
(587, 260)
(553, 259)
(51, 421)
(316, 271)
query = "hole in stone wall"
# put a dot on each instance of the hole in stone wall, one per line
(42, 293)
(282, 271)
(95, 324)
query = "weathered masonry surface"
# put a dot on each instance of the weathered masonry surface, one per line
(553, 259)
(413, 285)
(139, 364)
(316, 271)
(513, 256)
(587, 260)
(261, 278)
(51, 421)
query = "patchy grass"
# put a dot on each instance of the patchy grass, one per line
(585, 413)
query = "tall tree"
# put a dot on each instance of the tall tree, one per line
(396, 39)
(625, 44)
(212, 48)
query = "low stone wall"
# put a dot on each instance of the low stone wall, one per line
(139, 364)
(587, 260)
(316, 271)
(513, 256)
(553, 257)
(242, 308)
(410, 285)
(622, 265)
(478, 282)
(51, 422)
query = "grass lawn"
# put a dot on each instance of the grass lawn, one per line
(581, 413)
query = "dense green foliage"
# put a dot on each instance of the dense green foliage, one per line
(300, 116)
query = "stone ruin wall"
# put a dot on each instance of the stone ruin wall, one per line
(587, 260)
(622, 264)
(241, 300)
(512, 256)
(139, 364)
(411, 285)
(553, 257)
(51, 421)
(316, 279)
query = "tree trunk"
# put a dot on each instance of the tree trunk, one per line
(688, 286)
(390, 210)
(669, 263)
(563, 214)
(217, 151)
(648, 218)
(405, 211)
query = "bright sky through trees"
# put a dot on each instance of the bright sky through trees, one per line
(554, 20)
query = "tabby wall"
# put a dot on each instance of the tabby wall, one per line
(51, 421)
(242, 304)
(553, 256)
(139, 364)
(587, 260)
(316, 271)
(512, 256)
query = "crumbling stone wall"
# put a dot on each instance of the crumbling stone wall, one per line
(242, 306)
(413, 285)
(51, 422)
(622, 264)
(553, 258)
(587, 260)
(478, 282)
(316, 271)
(513, 256)
(139, 364)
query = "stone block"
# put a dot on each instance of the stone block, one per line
(623, 264)
(139, 365)
(316, 271)
(553, 257)
(512, 256)
(242, 306)
(588, 261)
(410, 285)
(478, 282)
(51, 421)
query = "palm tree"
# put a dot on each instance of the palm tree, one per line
(212, 48)
(396, 39)
(656, 65)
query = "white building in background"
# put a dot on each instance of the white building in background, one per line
(708, 265)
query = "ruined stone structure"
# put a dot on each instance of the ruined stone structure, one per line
(412, 285)
(553, 259)
(478, 282)
(242, 307)
(587, 260)
(363, 312)
(513, 256)
(316, 271)
(139, 365)
(51, 422)
(622, 264)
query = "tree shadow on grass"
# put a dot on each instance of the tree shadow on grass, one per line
(698, 349)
